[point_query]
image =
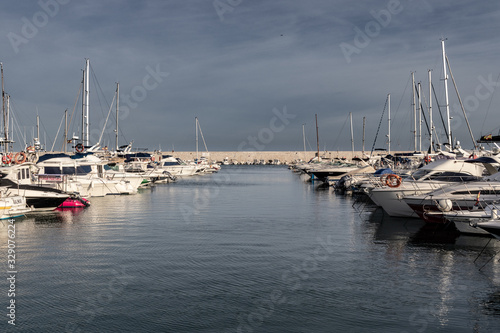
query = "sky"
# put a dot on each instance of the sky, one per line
(254, 73)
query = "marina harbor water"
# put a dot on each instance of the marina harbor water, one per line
(247, 249)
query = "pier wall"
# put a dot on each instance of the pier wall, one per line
(283, 156)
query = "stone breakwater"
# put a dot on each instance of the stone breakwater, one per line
(282, 156)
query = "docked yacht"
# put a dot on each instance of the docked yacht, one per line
(143, 165)
(457, 197)
(433, 176)
(84, 173)
(176, 166)
(332, 171)
(20, 180)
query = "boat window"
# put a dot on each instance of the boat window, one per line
(475, 192)
(52, 170)
(170, 163)
(19, 174)
(448, 176)
(419, 174)
(80, 170)
(83, 169)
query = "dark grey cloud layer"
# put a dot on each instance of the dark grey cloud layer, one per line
(232, 62)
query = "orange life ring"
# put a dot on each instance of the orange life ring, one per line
(473, 156)
(427, 159)
(20, 158)
(79, 148)
(393, 180)
(152, 158)
(6, 159)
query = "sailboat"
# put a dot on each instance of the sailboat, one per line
(431, 177)
(203, 163)
(86, 171)
(16, 179)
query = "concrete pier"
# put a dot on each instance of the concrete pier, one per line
(283, 156)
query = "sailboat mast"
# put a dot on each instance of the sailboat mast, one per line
(363, 148)
(430, 110)
(65, 129)
(389, 123)
(85, 111)
(317, 134)
(3, 110)
(352, 136)
(117, 112)
(304, 139)
(419, 118)
(461, 105)
(38, 126)
(446, 95)
(414, 112)
(7, 119)
(196, 125)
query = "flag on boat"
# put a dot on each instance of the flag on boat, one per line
(489, 138)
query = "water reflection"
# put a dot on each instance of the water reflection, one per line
(58, 216)
(456, 265)
(491, 305)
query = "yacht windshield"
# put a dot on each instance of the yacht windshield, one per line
(419, 174)
(444, 176)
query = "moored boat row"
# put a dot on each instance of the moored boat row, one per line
(64, 181)
(460, 191)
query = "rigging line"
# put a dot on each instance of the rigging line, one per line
(489, 105)
(94, 76)
(57, 134)
(378, 129)
(13, 114)
(439, 108)
(461, 104)
(98, 85)
(105, 123)
(309, 144)
(435, 133)
(199, 127)
(340, 133)
(45, 132)
(393, 120)
(401, 99)
(307, 140)
(422, 110)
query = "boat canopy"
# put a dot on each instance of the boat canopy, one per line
(131, 157)
(47, 157)
(383, 171)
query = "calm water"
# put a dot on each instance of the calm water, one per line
(250, 249)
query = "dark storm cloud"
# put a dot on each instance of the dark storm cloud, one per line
(232, 68)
